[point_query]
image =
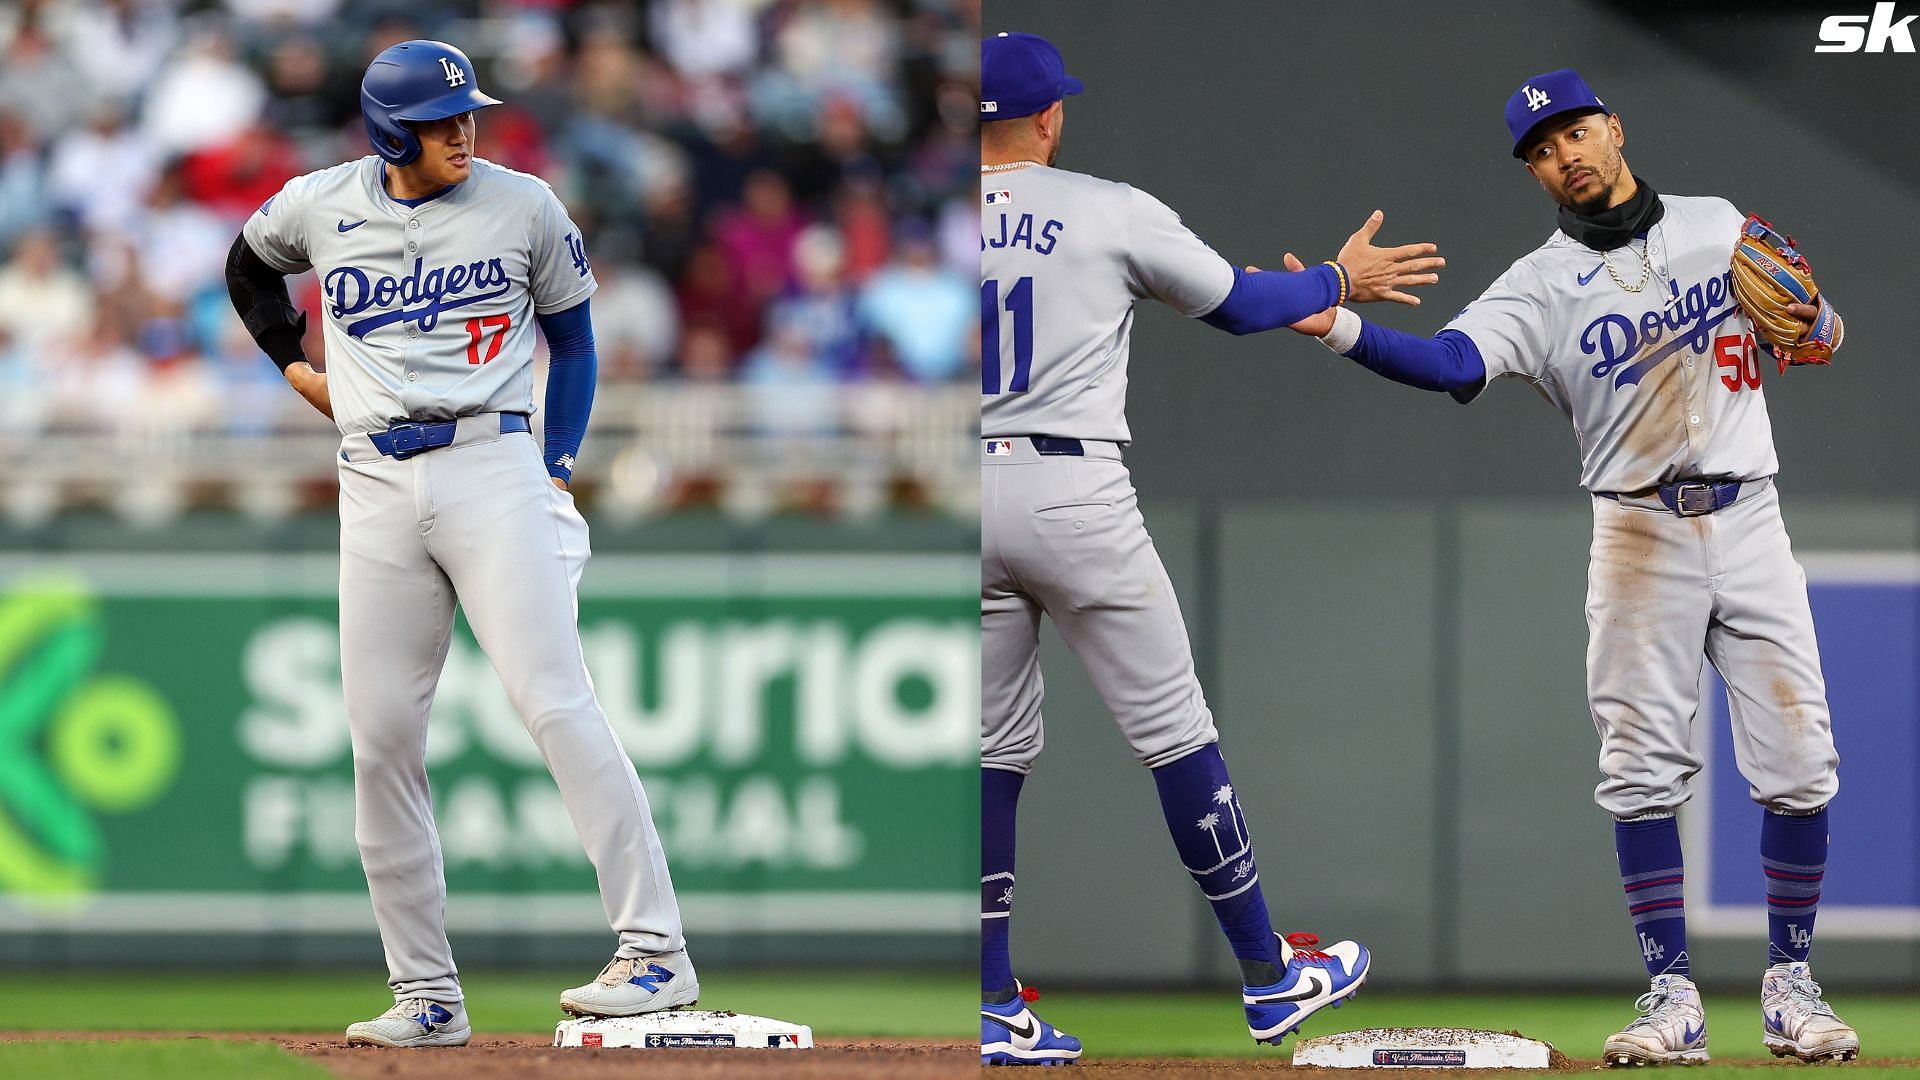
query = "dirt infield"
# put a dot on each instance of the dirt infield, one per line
(1219, 1069)
(510, 1057)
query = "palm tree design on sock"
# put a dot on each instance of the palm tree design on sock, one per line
(1211, 823)
(1225, 798)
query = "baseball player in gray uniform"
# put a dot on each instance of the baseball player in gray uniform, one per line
(434, 266)
(1625, 321)
(1064, 258)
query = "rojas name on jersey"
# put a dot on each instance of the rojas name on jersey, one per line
(423, 294)
(1022, 235)
(1634, 347)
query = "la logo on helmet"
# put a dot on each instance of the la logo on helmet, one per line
(452, 71)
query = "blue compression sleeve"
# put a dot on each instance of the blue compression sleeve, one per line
(1448, 360)
(571, 371)
(1270, 299)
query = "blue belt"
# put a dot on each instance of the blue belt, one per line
(402, 441)
(1047, 444)
(1692, 498)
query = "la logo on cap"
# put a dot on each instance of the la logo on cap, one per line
(1536, 99)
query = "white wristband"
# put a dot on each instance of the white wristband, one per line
(1345, 333)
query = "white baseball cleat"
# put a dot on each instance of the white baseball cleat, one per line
(1797, 1022)
(414, 1022)
(1670, 1030)
(630, 986)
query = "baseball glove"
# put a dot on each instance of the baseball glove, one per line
(1768, 274)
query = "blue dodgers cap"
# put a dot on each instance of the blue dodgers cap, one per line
(1547, 97)
(1021, 74)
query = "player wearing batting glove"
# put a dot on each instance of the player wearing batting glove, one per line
(1631, 321)
(1064, 258)
(434, 266)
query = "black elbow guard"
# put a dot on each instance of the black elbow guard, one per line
(259, 295)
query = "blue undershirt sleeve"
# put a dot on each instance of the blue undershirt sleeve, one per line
(571, 371)
(1270, 299)
(1447, 361)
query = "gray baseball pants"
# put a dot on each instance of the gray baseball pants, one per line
(1664, 594)
(478, 522)
(1063, 536)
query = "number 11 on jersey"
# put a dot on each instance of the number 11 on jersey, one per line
(1019, 301)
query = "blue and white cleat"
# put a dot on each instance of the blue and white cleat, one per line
(1670, 1030)
(414, 1022)
(1313, 979)
(630, 986)
(1797, 1023)
(1011, 1034)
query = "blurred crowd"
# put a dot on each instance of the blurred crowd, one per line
(777, 194)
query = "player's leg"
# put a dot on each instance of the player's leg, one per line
(1010, 738)
(1647, 607)
(396, 618)
(1088, 558)
(1762, 643)
(514, 548)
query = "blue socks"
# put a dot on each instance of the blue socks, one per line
(999, 796)
(1793, 853)
(1655, 879)
(1210, 833)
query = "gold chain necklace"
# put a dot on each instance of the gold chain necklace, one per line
(1008, 167)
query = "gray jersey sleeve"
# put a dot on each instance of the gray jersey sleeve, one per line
(277, 232)
(561, 276)
(1167, 262)
(1511, 326)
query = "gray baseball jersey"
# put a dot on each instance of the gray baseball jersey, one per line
(1063, 259)
(1660, 384)
(428, 313)
(1663, 385)
(429, 308)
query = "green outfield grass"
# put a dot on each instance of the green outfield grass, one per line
(1122, 1025)
(834, 1004)
(148, 1059)
(844, 1005)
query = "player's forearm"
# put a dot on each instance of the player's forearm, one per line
(1269, 300)
(1447, 361)
(572, 369)
(259, 295)
(311, 384)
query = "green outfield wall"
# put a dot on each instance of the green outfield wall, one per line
(177, 762)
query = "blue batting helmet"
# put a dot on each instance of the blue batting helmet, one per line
(415, 80)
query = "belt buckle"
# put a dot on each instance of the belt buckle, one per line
(1692, 500)
(407, 440)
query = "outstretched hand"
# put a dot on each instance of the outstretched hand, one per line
(1380, 273)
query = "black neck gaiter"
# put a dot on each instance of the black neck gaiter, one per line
(1615, 227)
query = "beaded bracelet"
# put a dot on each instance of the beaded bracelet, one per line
(1346, 283)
